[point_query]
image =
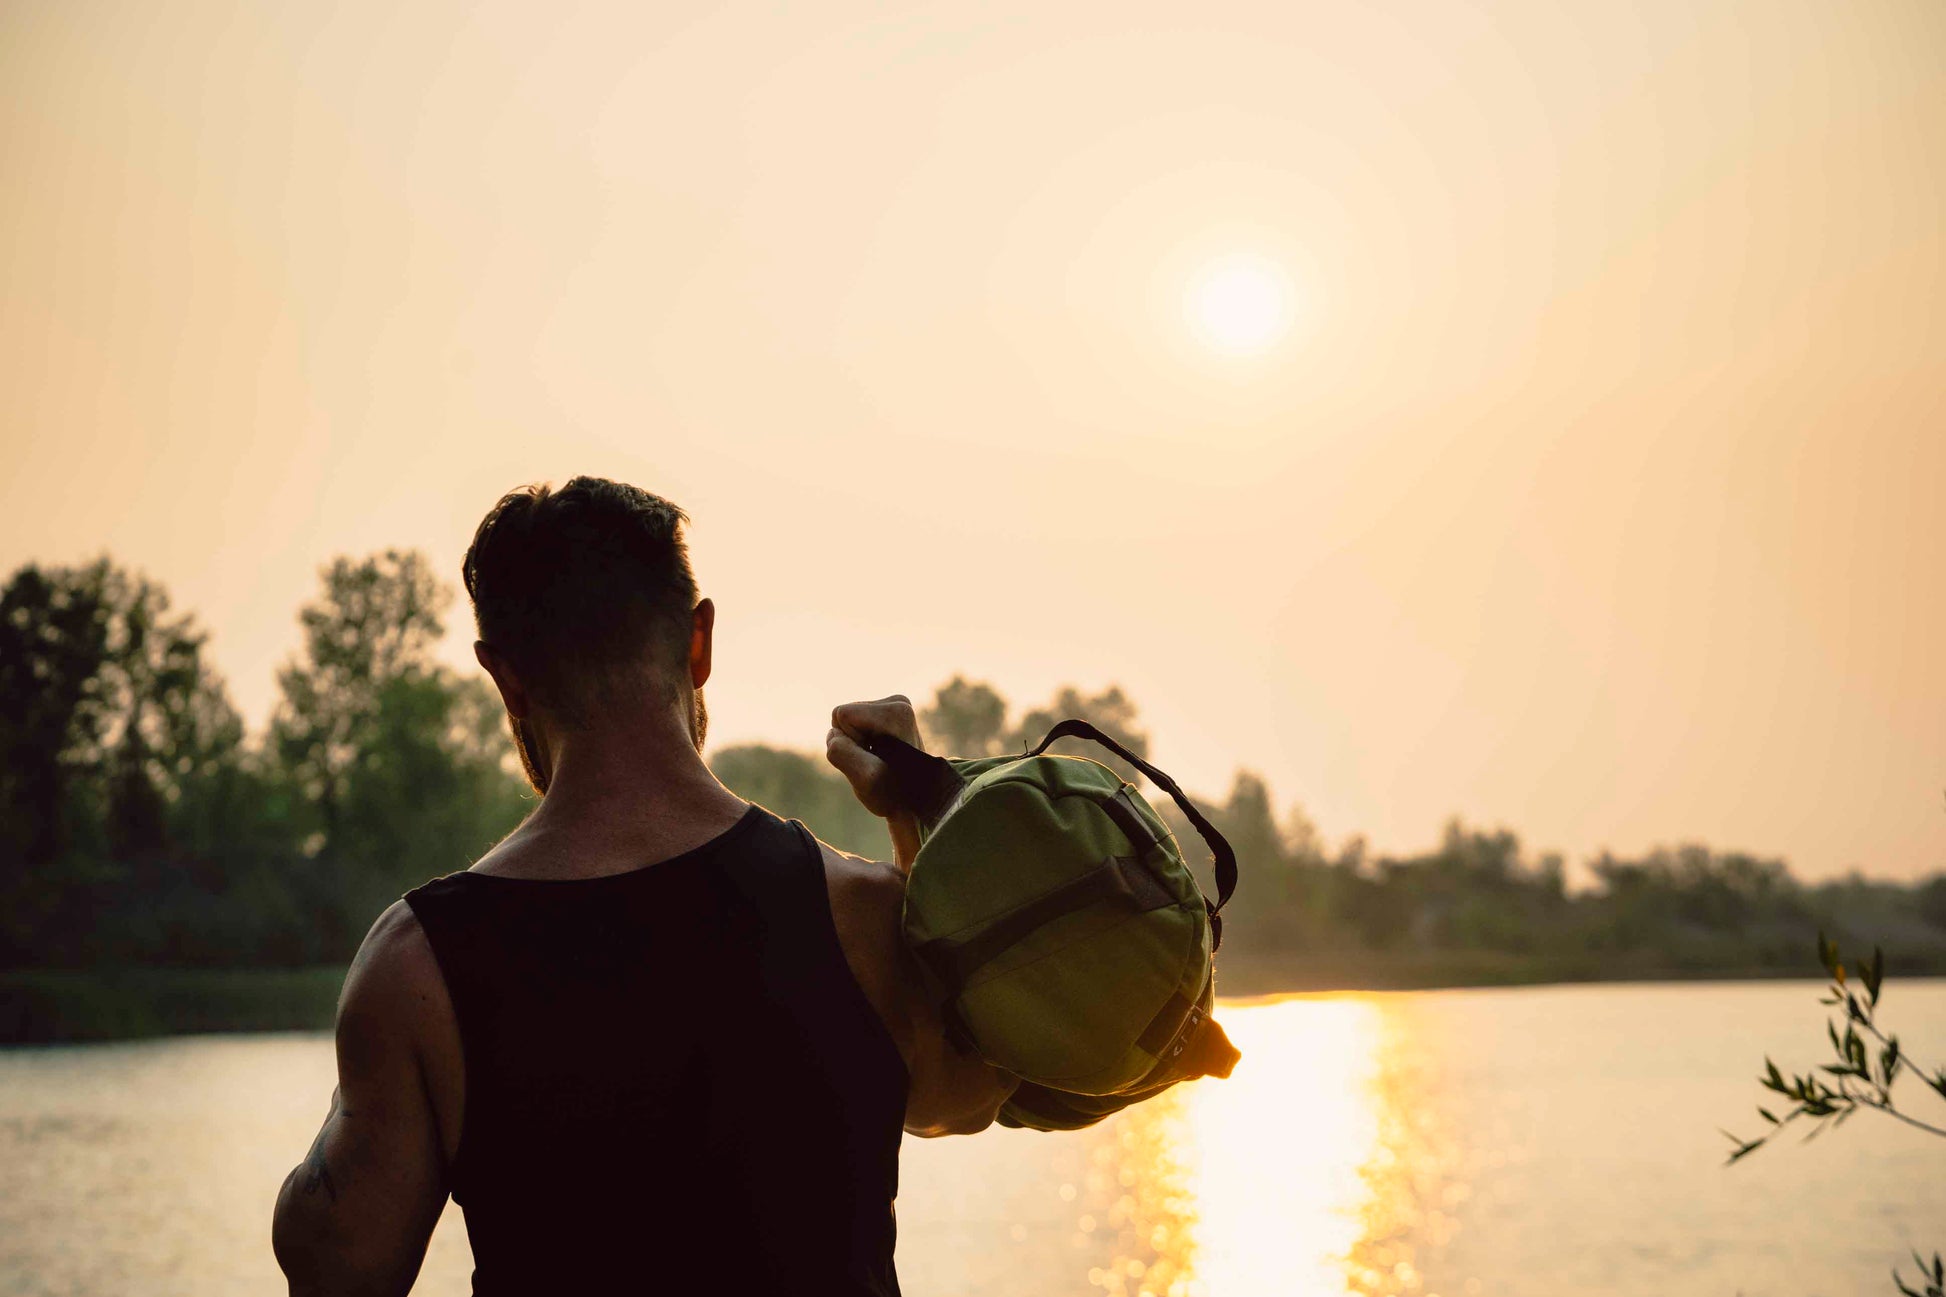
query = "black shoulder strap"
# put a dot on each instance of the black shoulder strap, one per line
(1222, 854)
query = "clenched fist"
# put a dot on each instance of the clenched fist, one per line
(852, 725)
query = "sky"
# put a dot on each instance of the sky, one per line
(1525, 412)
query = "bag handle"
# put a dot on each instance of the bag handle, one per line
(923, 783)
(926, 784)
(1222, 854)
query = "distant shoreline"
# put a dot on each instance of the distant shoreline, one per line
(53, 1006)
(71, 1006)
(1252, 974)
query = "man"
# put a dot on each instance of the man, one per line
(657, 1040)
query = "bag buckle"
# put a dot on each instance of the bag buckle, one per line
(1191, 1020)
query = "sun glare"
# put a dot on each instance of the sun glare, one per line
(1239, 305)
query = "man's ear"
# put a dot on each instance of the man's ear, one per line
(702, 633)
(505, 678)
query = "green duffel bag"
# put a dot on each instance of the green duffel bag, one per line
(1051, 912)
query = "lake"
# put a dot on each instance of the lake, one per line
(1549, 1140)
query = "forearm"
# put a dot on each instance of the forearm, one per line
(952, 1093)
(964, 1099)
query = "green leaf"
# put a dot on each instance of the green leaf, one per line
(1934, 1277)
(1827, 954)
(1875, 976)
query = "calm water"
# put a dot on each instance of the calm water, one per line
(1543, 1141)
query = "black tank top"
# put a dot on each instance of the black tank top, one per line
(673, 1082)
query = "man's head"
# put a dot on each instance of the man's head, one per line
(587, 612)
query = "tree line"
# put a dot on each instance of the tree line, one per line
(141, 824)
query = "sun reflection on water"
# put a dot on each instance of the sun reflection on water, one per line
(1318, 1170)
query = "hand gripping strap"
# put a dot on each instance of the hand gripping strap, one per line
(1221, 853)
(921, 782)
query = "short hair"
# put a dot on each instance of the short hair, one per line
(578, 587)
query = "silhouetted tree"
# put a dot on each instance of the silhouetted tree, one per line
(374, 624)
(966, 719)
(113, 726)
(173, 722)
(401, 768)
(53, 644)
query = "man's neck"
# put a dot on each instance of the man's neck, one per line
(628, 771)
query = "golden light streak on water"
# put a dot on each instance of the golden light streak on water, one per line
(1315, 1171)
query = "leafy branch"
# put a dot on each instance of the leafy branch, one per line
(1868, 1063)
(1933, 1277)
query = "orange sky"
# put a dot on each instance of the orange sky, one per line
(1594, 489)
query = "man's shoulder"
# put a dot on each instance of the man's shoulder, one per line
(396, 1020)
(867, 904)
(867, 901)
(871, 883)
(396, 943)
(394, 980)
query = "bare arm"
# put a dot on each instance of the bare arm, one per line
(353, 1218)
(951, 1093)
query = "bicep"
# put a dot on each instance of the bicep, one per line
(949, 1092)
(384, 1147)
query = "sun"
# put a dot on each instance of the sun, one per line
(1239, 305)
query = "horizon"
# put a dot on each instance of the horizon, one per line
(1531, 417)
